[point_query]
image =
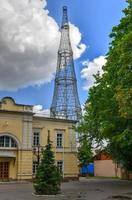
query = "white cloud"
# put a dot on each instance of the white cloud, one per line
(77, 46)
(29, 39)
(91, 68)
(39, 111)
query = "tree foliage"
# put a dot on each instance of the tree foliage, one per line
(85, 154)
(48, 177)
(109, 105)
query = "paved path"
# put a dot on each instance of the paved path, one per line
(85, 189)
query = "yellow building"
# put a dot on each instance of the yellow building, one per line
(22, 135)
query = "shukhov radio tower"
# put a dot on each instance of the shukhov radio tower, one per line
(65, 103)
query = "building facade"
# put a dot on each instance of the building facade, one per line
(23, 135)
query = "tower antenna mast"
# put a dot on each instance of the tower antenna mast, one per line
(65, 103)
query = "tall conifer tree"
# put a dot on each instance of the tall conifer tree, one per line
(48, 177)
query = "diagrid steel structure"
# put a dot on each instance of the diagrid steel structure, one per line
(65, 103)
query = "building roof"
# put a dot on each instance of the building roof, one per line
(54, 119)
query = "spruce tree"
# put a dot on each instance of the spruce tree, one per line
(48, 177)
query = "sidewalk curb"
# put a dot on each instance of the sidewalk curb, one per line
(15, 182)
(48, 195)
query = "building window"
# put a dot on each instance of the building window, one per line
(2, 141)
(36, 138)
(60, 165)
(59, 140)
(35, 166)
(13, 143)
(6, 141)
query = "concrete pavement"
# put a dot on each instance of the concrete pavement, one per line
(85, 189)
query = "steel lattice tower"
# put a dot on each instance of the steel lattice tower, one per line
(65, 103)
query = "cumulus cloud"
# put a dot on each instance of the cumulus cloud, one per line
(29, 39)
(91, 68)
(77, 46)
(38, 110)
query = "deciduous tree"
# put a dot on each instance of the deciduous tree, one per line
(109, 105)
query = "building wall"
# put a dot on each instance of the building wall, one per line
(106, 168)
(11, 124)
(67, 153)
(25, 165)
(17, 122)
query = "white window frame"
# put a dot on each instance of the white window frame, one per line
(36, 137)
(11, 143)
(59, 141)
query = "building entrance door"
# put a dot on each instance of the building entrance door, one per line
(4, 171)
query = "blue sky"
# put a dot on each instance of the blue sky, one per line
(95, 20)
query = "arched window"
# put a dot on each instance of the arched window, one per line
(6, 141)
